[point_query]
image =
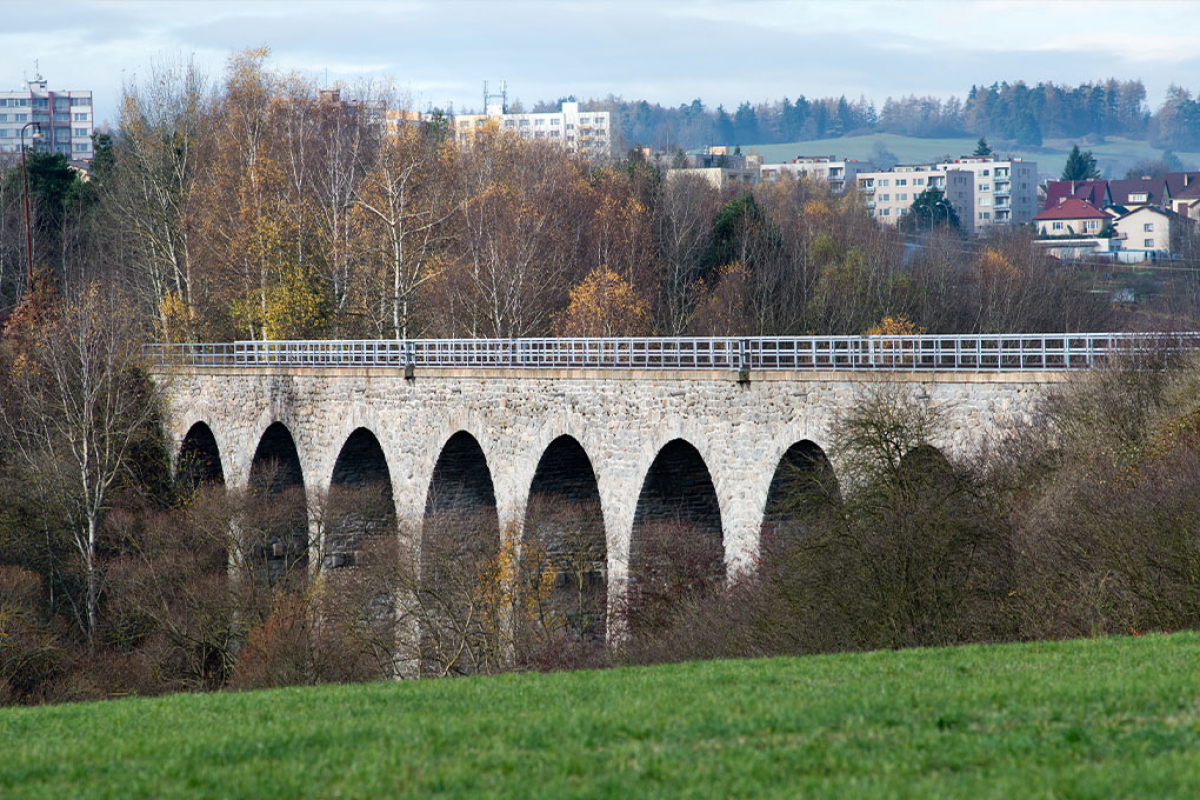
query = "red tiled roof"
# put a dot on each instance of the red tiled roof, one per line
(1154, 189)
(1091, 191)
(1071, 208)
(1186, 184)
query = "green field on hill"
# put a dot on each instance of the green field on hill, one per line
(1113, 157)
(1092, 718)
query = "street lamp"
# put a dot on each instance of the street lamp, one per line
(25, 180)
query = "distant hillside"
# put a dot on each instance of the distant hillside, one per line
(1113, 157)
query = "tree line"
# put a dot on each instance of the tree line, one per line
(257, 208)
(1014, 112)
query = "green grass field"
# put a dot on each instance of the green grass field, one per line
(1096, 718)
(1114, 156)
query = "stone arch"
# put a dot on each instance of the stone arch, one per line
(677, 542)
(360, 501)
(277, 525)
(928, 465)
(199, 460)
(802, 486)
(460, 544)
(564, 532)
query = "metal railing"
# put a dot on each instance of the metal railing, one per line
(982, 353)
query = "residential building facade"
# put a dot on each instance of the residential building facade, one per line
(838, 173)
(1005, 190)
(1072, 217)
(586, 132)
(1151, 232)
(65, 120)
(889, 195)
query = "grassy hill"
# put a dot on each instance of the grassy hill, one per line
(1113, 157)
(1095, 718)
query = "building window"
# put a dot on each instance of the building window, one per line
(1092, 225)
(985, 215)
(539, 122)
(902, 198)
(41, 102)
(1148, 244)
(1058, 226)
(884, 182)
(81, 132)
(885, 212)
(556, 121)
(82, 147)
(1148, 227)
(82, 117)
(987, 172)
(20, 118)
(985, 187)
(1139, 197)
(81, 101)
(884, 198)
(901, 181)
(918, 181)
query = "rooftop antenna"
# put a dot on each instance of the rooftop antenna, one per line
(502, 95)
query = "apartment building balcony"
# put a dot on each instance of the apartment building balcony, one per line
(869, 204)
(866, 189)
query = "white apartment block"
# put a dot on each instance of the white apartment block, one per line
(838, 173)
(889, 195)
(65, 120)
(586, 132)
(1005, 190)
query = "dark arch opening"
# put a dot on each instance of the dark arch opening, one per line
(677, 544)
(199, 460)
(926, 465)
(564, 557)
(803, 489)
(277, 523)
(361, 509)
(459, 564)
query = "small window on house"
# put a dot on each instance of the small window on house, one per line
(1148, 244)
(1148, 227)
(1058, 226)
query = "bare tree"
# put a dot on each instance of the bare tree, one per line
(80, 408)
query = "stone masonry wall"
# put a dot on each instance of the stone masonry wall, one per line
(621, 418)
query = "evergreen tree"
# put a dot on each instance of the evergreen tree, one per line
(1080, 166)
(982, 148)
(929, 210)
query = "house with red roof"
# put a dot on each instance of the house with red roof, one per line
(1072, 217)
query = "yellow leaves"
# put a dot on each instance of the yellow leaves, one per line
(993, 267)
(176, 320)
(894, 326)
(604, 304)
(296, 307)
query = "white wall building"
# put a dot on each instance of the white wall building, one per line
(1005, 190)
(888, 195)
(587, 132)
(838, 173)
(65, 119)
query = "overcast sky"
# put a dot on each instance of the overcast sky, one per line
(669, 52)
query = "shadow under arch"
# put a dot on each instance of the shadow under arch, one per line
(199, 461)
(677, 544)
(360, 507)
(803, 488)
(276, 527)
(564, 537)
(459, 571)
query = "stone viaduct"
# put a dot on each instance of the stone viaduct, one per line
(706, 446)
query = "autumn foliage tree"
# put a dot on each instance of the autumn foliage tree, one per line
(605, 304)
